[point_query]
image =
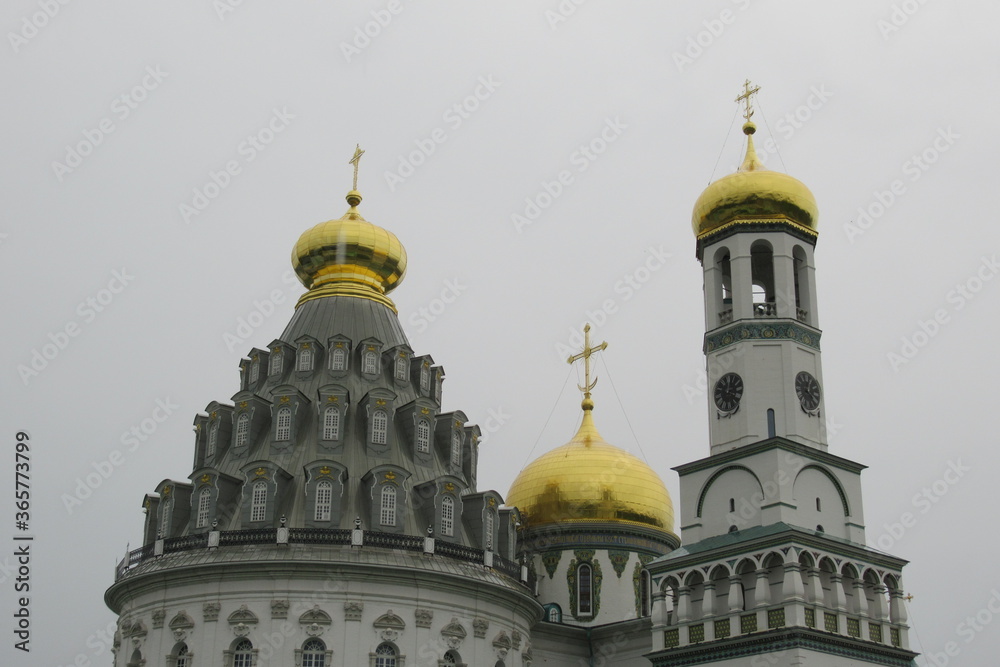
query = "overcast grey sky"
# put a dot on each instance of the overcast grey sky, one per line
(161, 161)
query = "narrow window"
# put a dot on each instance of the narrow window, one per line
(456, 448)
(555, 614)
(770, 423)
(447, 516)
(338, 360)
(242, 429)
(732, 504)
(423, 436)
(387, 514)
(401, 367)
(275, 362)
(213, 439)
(314, 653)
(305, 359)
(324, 500)
(204, 500)
(585, 591)
(490, 526)
(259, 501)
(331, 423)
(243, 654)
(183, 658)
(283, 431)
(380, 427)
(166, 516)
(819, 505)
(644, 593)
(370, 363)
(385, 656)
(425, 378)
(254, 370)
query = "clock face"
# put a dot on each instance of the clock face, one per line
(807, 389)
(728, 392)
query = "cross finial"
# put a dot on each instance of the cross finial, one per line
(748, 92)
(588, 350)
(355, 161)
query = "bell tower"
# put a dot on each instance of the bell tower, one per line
(756, 232)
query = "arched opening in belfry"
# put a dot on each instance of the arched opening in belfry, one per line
(762, 279)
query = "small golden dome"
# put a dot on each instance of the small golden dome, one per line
(754, 192)
(590, 480)
(349, 257)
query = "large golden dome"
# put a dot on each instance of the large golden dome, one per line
(754, 192)
(589, 480)
(349, 257)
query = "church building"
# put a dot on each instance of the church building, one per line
(332, 516)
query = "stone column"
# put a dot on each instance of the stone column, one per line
(860, 599)
(762, 589)
(837, 598)
(791, 586)
(815, 593)
(881, 611)
(708, 601)
(735, 598)
(658, 617)
(683, 604)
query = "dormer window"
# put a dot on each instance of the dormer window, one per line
(254, 369)
(489, 528)
(387, 509)
(305, 362)
(425, 377)
(401, 367)
(370, 363)
(283, 430)
(423, 436)
(456, 448)
(380, 427)
(448, 516)
(331, 423)
(275, 362)
(204, 502)
(258, 501)
(213, 438)
(242, 429)
(166, 516)
(324, 500)
(338, 358)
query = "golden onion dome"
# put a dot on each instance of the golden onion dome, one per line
(754, 192)
(589, 480)
(349, 257)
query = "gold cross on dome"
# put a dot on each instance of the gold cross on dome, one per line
(748, 92)
(356, 160)
(585, 355)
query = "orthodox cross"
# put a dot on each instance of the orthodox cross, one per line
(745, 98)
(585, 355)
(355, 161)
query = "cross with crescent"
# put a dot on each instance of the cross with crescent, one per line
(585, 355)
(745, 98)
(356, 160)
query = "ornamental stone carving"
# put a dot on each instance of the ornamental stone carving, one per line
(279, 608)
(389, 626)
(316, 617)
(210, 611)
(180, 626)
(453, 634)
(353, 610)
(241, 629)
(501, 645)
(158, 616)
(424, 617)
(515, 637)
(480, 626)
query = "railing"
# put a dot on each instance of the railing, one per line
(801, 314)
(726, 316)
(765, 309)
(333, 537)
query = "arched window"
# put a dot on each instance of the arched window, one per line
(644, 593)
(771, 432)
(819, 505)
(182, 658)
(242, 429)
(314, 653)
(385, 656)
(166, 517)
(802, 296)
(732, 504)
(554, 614)
(425, 377)
(275, 362)
(283, 431)
(305, 359)
(370, 366)
(401, 367)
(254, 369)
(338, 360)
(324, 500)
(331, 423)
(490, 525)
(213, 438)
(451, 658)
(259, 501)
(387, 512)
(204, 501)
(423, 436)
(447, 516)
(724, 289)
(762, 278)
(380, 427)
(456, 448)
(243, 654)
(585, 589)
